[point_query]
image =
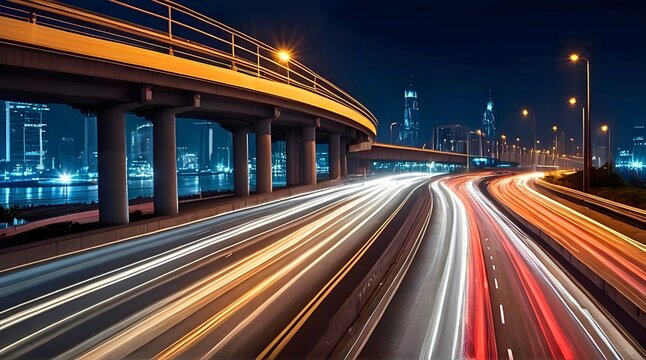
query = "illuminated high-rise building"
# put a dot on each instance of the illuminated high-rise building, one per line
(90, 151)
(450, 138)
(66, 155)
(488, 121)
(639, 144)
(25, 143)
(205, 151)
(409, 134)
(141, 143)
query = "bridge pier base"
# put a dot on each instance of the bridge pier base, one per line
(263, 156)
(113, 180)
(293, 158)
(344, 158)
(240, 162)
(165, 163)
(308, 175)
(334, 152)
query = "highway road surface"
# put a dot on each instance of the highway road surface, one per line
(617, 258)
(506, 297)
(229, 286)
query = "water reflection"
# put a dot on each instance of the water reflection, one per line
(51, 195)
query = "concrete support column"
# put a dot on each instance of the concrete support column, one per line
(165, 163)
(113, 181)
(308, 160)
(240, 162)
(344, 158)
(263, 156)
(334, 151)
(293, 158)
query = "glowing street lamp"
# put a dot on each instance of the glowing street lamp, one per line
(284, 56)
(587, 158)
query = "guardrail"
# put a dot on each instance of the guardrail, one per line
(629, 214)
(169, 27)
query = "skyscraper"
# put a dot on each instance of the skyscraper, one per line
(489, 129)
(141, 143)
(488, 121)
(66, 156)
(451, 138)
(90, 154)
(639, 144)
(25, 143)
(205, 146)
(410, 131)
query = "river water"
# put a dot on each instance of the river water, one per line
(51, 195)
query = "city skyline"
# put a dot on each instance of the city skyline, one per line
(452, 81)
(458, 52)
(238, 179)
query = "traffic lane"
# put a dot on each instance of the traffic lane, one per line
(423, 318)
(398, 238)
(480, 341)
(92, 294)
(29, 282)
(367, 196)
(618, 259)
(572, 325)
(259, 326)
(517, 336)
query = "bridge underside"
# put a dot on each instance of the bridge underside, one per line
(111, 90)
(386, 152)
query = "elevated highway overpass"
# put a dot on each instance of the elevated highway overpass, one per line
(54, 52)
(164, 61)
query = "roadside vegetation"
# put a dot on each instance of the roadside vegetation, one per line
(611, 187)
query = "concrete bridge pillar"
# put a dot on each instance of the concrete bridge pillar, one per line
(113, 180)
(240, 161)
(165, 163)
(308, 175)
(334, 151)
(293, 158)
(344, 158)
(263, 156)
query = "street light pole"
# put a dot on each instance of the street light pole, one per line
(606, 129)
(468, 148)
(556, 146)
(525, 114)
(391, 131)
(587, 150)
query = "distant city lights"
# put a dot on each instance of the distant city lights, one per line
(65, 178)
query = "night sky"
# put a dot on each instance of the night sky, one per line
(457, 51)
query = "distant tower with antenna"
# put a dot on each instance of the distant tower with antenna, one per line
(409, 135)
(489, 121)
